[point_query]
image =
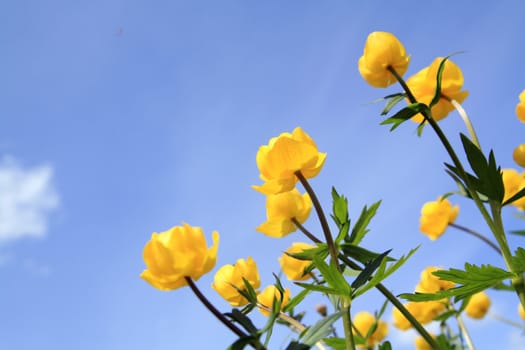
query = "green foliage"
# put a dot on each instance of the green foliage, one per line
(340, 214)
(487, 180)
(515, 197)
(383, 272)
(405, 114)
(335, 343)
(320, 329)
(333, 277)
(360, 254)
(472, 280)
(241, 343)
(360, 228)
(385, 346)
(297, 346)
(242, 320)
(518, 261)
(292, 303)
(392, 100)
(369, 269)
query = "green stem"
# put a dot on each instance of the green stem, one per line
(391, 297)
(464, 332)
(347, 324)
(477, 235)
(506, 320)
(332, 249)
(254, 343)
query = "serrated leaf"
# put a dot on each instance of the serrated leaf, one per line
(360, 254)
(320, 329)
(392, 100)
(369, 269)
(518, 261)
(360, 228)
(472, 280)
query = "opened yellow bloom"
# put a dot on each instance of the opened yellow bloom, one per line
(232, 275)
(423, 86)
(520, 108)
(435, 217)
(363, 321)
(513, 182)
(281, 208)
(294, 268)
(519, 155)
(478, 305)
(180, 252)
(382, 50)
(269, 295)
(283, 156)
(422, 344)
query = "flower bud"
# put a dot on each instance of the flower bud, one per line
(363, 321)
(232, 275)
(435, 217)
(478, 305)
(269, 295)
(294, 268)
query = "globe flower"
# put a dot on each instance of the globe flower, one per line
(281, 208)
(232, 275)
(268, 295)
(435, 217)
(519, 155)
(177, 253)
(363, 321)
(294, 268)
(521, 311)
(421, 344)
(382, 50)
(423, 86)
(513, 182)
(520, 108)
(430, 283)
(283, 156)
(478, 305)
(424, 312)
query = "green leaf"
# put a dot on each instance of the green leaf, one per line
(308, 254)
(489, 180)
(320, 329)
(404, 114)
(518, 261)
(385, 346)
(243, 320)
(360, 228)
(369, 269)
(296, 300)
(297, 346)
(335, 343)
(241, 343)
(392, 100)
(518, 232)
(437, 94)
(339, 208)
(384, 272)
(515, 197)
(472, 280)
(319, 288)
(332, 276)
(360, 254)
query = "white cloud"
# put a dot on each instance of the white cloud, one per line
(27, 196)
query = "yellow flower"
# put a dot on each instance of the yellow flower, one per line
(423, 87)
(283, 156)
(180, 252)
(478, 305)
(520, 108)
(363, 321)
(513, 182)
(424, 312)
(281, 208)
(519, 155)
(294, 268)
(521, 311)
(268, 295)
(430, 283)
(435, 217)
(229, 275)
(382, 50)
(421, 343)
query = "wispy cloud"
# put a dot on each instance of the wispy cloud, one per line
(27, 196)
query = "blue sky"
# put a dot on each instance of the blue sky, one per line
(121, 118)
